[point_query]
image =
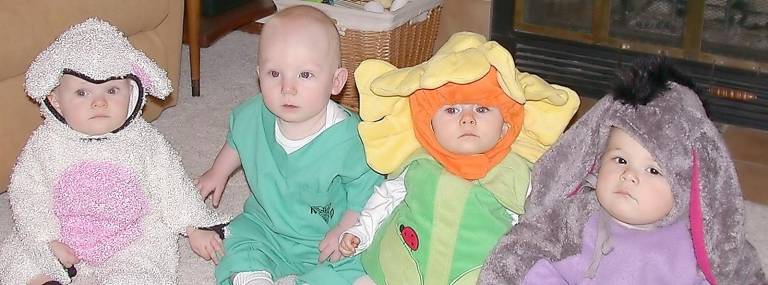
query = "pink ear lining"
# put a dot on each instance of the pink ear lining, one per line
(574, 191)
(697, 222)
(139, 72)
(578, 187)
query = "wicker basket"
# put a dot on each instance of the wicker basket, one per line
(405, 45)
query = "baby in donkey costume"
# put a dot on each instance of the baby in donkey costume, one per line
(572, 234)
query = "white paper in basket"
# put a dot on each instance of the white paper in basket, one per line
(349, 15)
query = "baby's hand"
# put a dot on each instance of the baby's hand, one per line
(205, 244)
(329, 247)
(64, 253)
(349, 244)
(212, 183)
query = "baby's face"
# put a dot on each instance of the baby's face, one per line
(468, 128)
(631, 186)
(298, 73)
(92, 109)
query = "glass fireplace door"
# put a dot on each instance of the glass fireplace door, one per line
(731, 33)
(722, 44)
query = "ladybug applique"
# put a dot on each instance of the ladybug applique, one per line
(410, 237)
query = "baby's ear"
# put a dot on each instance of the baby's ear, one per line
(339, 79)
(504, 129)
(54, 102)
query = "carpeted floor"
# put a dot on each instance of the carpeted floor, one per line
(197, 126)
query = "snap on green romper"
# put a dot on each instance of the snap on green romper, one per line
(295, 199)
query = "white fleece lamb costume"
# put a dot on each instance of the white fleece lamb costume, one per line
(119, 200)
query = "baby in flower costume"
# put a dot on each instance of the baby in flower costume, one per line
(459, 201)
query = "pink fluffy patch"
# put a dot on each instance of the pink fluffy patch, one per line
(139, 72)
(100, 206)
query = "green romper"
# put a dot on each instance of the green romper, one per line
(295, 199)
(446, 226)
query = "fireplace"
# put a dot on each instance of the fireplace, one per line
(722, 44)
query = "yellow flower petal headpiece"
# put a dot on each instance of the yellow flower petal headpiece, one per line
(387, 128)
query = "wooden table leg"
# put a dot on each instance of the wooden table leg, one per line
(193, 40)
(201, 32)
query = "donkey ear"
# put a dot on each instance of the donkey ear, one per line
(717, 215)
(578, 146)
(552, 212)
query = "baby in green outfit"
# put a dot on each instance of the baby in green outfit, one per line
(302, 157)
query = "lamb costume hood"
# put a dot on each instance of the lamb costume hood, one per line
(657, 106)
(120, 199)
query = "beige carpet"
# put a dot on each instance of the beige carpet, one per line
(197, 126)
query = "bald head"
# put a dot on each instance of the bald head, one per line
(304, 25)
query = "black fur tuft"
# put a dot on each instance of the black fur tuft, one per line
(647, 79)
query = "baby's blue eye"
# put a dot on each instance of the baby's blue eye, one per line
(274, 73)
(306, 75)
(81, 92)
(452, 110)
(112, 91)
(482, 109)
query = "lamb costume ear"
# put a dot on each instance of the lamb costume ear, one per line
(671, 124)
(96, 51)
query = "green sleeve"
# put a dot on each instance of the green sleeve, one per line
(242, 117)
(360, 179)
(361, 188)
(230, 136)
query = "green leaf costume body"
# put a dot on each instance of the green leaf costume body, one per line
(295, 199)
(446, 226)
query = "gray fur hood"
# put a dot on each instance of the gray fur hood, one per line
(658, 107)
